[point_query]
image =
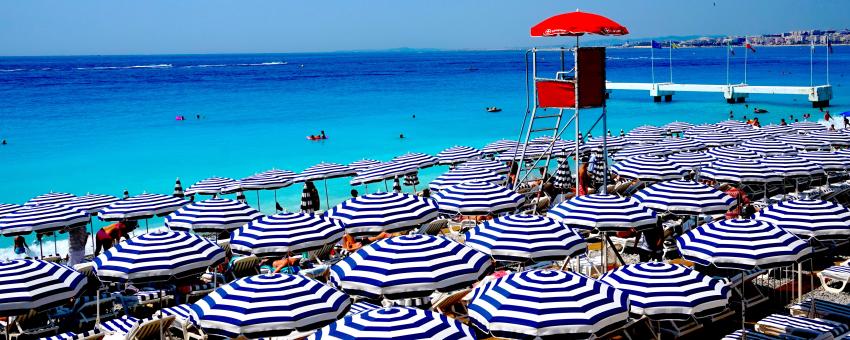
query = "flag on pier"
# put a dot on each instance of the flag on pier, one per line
(656, 44)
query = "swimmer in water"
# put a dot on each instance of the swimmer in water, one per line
(401, 136)
(323, 135)
(4, 142)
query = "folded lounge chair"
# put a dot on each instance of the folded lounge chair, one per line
(814, 329)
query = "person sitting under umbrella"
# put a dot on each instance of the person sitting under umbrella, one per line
(107, 236)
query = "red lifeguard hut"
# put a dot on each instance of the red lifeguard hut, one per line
(567, 90)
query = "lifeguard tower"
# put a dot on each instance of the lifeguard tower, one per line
(549, 100)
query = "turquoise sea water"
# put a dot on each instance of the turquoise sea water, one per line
(102, 124)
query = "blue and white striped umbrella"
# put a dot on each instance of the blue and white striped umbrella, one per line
(807, 127)
(641, 150)
(178, 190)
(834, 138)
(360, 307)
(520, 238)
(649, 129)
(778, 130)
(419, 160)
(6, 208)
(284, 234)
(664, 291)
(739, 171)
(210, 186)
(375, 213)
(531, 152)
(141, 207)
(551, 304)
(604, 212)
(35, 284)
(269, 305)
(692, 160)
(461, 175)
(613, 143)
(685, 198)
(769, 147)
(486, 164)
(158, 256)
(324, 171)
(383, 171)
(363, 164)
(499, 146)
(792, 166)
(563, 176)
(741, 244)
(649, 168)
(212, 215)
(748, 133)
(49, 199)
(809, 218)
(477, 198)
(91, 203)
(556, 144)
(830, 161)
(648, 137)
(458, 154)
(734, 124)
(732, 152)
(717, 139)
(395, 323)
(803, 143)
(681, 144)
(697, 130)
(677, 126)
(409, 266)
(267, 180)
(41, 219)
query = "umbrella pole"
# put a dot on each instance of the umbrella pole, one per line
(258, 201)
(93, 242)
(327, 200)
(275, 200)
(40, 246)
(55, 251)
(146, 226)
(743, 303)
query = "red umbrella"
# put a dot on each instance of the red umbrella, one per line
(577, 23)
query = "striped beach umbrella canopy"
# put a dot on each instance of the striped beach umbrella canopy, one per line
(158, 256)
(395, 323)
(641, 150)
(803, 142)
(677, 126)
(396, 185)
(649, 168)
(613, 143)
(778, 130)
(383, 171)
(499, 146)
(734, 124)
(411, 179)
(50, 199)
(769, 147)
(267, 180)
(324, 171)
(284, 234)
(477, 198)
(739, 171)
(178, 189)
(35, 284)
(269, 305)
(41, 219)
(809, 218)
(692, 160)
(563, 176)
(308, 203)
(732, 152)
(531, 152)
(834, 138)
(604, 212)
(681, 144)
(556, 144)
(829, 161)
(464, 175)
(211, 186)
(792, 166)
(547, 303)
(520, 238)
(363, 164)
(360, 307)
(697, 130)
(419, 160)
(409, 266)
(141, 207)
(741, 244)
(648, 137)
(664, 291)
(91, 203)
(807, 127)
(717, 139)
(749, 133)
(684, 198)
(649, 129)
(597, 169)
(6, 208)
(486, 164)
(391, 212)
(212, 215)
(458, 154)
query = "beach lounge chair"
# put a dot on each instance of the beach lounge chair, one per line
(52, 258)
(834, 279)
(323, 253)
(146, 298)
(451, 304)
(434, 228)
(182, 325)
(30, 326)
(752, 335)
(361, 306)
(87, 308)
(246, 266)
(94, 334)
(822, 309)
(814, 329)
(135, 329)
(755, 295)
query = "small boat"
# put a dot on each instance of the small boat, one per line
(757, 110)
(493, 109)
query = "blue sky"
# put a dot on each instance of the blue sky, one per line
(65, 27)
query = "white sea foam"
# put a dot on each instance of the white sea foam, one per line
(125, 67)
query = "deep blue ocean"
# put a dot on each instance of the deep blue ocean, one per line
(102, 124)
